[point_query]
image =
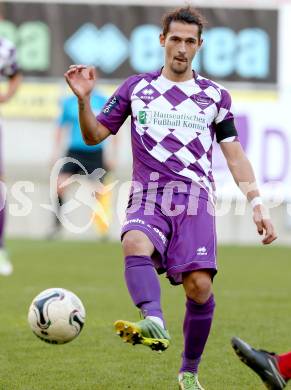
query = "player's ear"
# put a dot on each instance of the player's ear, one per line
(200, 43)
(162, 40)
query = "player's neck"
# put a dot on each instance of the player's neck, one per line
(178, 78)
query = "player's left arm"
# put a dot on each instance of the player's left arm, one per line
(243, 174)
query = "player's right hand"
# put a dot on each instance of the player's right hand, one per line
(81, 80)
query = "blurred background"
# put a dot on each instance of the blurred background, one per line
(245, 49)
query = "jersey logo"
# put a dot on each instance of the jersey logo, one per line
(109, 107)
(144, 117)
(202, 100)
(148, 91)
(147, 94)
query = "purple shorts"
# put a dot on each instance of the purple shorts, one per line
(182, 231)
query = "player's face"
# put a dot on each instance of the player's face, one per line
(181, 44)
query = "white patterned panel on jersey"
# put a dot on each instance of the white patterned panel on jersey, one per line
(160, 153)
(160, 85)
(185, 134)
(206, 141)
(158, 133)
(202, 181)
(210, 113)
(190, 89)
(161, 103)
(205, 164)
(137, 104)
(189, 106)
(206, 183)
(213, 93)
(189, 173)
(139, 86)
(222, 114)
(185, 156)
(139, 128)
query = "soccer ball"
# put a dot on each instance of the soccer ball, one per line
(56, 316)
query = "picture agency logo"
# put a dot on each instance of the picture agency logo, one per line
(89, 191)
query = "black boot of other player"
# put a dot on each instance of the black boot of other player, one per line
(262, 362)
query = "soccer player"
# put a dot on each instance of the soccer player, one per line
(91, 157)
(170, 225)
(274, 370)
(10, 71)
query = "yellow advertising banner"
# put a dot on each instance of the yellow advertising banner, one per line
(35, 100)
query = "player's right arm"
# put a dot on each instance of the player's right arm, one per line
(82, 80)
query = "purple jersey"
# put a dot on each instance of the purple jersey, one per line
(173, 125)
(8, 63)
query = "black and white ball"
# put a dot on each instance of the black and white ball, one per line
(56, 316)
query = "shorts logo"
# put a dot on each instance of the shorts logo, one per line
(136, 220)
(161, 235)
(141, 222)
(144, 117)
(109, 107)
(201, 251)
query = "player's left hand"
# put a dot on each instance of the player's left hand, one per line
(264, 224)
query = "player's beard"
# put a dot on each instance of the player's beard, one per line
(179, 69)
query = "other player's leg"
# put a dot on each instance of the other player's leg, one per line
(144, 288)
(197, 323)
(68, 169)
(6, 267)
(59, 203)
(274, 370)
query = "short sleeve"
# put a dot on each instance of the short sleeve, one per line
(117, 108)
(224, 122)
(224, 107)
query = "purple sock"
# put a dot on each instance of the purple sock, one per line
(197, 324)
(143, 285)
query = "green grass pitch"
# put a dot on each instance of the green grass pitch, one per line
(253, 296)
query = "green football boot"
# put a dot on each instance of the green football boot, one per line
(189, 381)
(145, 332)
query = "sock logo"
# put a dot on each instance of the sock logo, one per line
(201, 251)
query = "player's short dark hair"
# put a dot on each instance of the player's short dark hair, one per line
(187, 15)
